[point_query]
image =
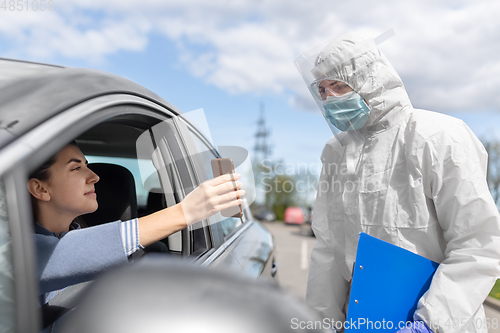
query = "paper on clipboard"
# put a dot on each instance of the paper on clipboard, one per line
(388, 282)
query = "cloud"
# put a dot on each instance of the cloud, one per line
(446, 52)
(43, 35)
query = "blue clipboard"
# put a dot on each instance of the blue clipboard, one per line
(387, 283)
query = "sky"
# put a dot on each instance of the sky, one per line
(230, 57)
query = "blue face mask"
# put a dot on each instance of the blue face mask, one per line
(347, 112)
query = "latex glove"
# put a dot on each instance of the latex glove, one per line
(211, 197)
(416, 327)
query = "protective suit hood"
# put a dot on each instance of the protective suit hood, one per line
(353, 58)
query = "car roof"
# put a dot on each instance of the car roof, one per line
(31, 93)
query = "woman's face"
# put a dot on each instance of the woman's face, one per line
(71, 183)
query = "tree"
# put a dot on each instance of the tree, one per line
(493, 174)
(281, 187)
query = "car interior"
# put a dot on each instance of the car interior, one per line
(111, 149)
(124, 151)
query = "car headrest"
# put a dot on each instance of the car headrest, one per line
(156, 201)
(116, 194)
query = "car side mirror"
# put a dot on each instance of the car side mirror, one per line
(159, 294)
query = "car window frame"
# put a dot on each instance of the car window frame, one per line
(163, 144)
(23, 250)
(202, 229)
(215, 229)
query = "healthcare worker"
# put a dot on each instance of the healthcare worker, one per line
(414, 178)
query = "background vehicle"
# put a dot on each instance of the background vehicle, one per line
(265, 215)
(306, 227)
(42, 107)
(294, 215)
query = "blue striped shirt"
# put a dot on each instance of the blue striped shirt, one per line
(74, 257)
(130, 236)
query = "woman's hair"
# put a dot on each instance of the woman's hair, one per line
(43, 174)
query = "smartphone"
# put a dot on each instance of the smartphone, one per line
(222, 166)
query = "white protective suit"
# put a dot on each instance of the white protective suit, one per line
(416, 179)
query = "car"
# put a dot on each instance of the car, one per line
(306, 228)
(123, 129)
(265, 215)
(294, 215)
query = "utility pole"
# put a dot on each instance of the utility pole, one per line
(262, 148)
(262, 151)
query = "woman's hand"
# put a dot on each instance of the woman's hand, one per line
(211, 197)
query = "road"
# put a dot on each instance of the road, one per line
(293, 252)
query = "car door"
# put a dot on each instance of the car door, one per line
(242, 245)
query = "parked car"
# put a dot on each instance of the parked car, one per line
(294, 215)
(306, 227)
(42, 108)
(265, 215)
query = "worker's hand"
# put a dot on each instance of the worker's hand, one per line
(416, 327)
(211, 197)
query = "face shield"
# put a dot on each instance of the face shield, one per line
(335, 73)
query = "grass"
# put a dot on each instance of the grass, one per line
(495, 292)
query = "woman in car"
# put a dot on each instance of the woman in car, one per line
(63, 189)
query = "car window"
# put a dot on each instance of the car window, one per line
(145, 175)
(202, 155)
(7, 300)
(105, 144)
